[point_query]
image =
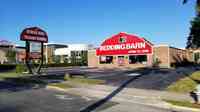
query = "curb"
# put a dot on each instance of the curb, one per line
(56, 88)
(183, 108)
(61, 89)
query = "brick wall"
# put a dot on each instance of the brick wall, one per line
(164, 54)
(161, 54)
(170, 55)
(93, 61)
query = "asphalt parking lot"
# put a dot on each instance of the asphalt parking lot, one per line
(151, 78)
(40, 101)
(43, 100)
(156, 79)
(28, 99)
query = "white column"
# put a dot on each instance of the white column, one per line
(47, 54)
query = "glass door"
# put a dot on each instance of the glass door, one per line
(121, 60)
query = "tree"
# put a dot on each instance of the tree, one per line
(11, 55)
(197, 6)
(56, 59)
(193, 40)
(194, 36)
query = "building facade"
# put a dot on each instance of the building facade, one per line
(49, 51)
(7, 52)
(74, 53)
(129, 51)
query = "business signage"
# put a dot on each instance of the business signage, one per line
(34, 34)
(35, 55)
(35, 50)
(122, 44)
(35, 39)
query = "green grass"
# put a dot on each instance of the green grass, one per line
(19, 78)
(183, 103)
(11, 74)
(84, 80)
(186, 84)
(61, 85)
(73, 82)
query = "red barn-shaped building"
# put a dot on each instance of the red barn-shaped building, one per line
(122, 50)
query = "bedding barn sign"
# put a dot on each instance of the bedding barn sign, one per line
(34, 34)
(122, 44)
(35, 39)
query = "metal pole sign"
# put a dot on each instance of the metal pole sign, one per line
(34, 35)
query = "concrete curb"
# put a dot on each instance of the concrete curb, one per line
(61, 89)
(183, 108)
(56, 88)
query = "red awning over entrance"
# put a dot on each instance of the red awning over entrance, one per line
(123, 44)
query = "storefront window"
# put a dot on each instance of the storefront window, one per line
(134, 59)
(106, 59)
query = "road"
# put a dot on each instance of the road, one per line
(43, 100)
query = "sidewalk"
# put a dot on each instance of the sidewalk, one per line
(131, 96)
(141, 93)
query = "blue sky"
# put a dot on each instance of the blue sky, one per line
(92, 21)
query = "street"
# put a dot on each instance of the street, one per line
(42, 100)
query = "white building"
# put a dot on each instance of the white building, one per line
(72, 47)
(73, 52)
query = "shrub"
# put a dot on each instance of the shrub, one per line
(20, 68)
(7, 67)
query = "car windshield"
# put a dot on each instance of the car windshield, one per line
(99, 55)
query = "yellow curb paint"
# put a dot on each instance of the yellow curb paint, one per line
(184, 108)
(63, 90)
(57, 88)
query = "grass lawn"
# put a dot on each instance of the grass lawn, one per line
(11, 74)
(186, 84)
(183, 103)
(19, 78)
(84, 80)
(73, 82)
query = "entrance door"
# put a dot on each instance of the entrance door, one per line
(121, 60)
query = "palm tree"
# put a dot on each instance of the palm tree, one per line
(197, 6)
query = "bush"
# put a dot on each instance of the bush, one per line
(62, 64)
(20, 68)
(7, 67)
(183, 63)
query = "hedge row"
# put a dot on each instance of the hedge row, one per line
(64, 65)
(6, 67)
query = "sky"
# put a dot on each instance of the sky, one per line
(92, 21)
